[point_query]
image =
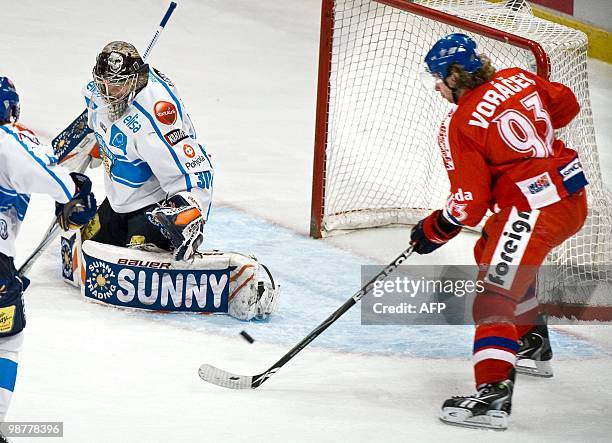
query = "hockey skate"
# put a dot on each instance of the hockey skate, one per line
(534, 354)
(488, 409)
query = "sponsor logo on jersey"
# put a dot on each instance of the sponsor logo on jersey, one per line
(132, 123)
(118, 139)
(165, 112)
(462, 195)
(510, 248)
(195, 162)
(175, 136)
(573, 176)
(4, 233)
(189, 151)
(571, 169)
(539, 191)
(157, 288)
(445, 149)
(539, 184)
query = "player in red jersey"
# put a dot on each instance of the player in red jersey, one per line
(500, 151)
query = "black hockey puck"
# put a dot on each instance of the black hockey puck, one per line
(247, 337)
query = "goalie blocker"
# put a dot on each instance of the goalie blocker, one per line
(214, 282)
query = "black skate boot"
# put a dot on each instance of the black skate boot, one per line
(488, 409)
(535, 353)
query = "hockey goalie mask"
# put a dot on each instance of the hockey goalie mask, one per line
(119, 74)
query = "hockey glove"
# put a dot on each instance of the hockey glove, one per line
(82, 208)
(180, 220)
(432, 232)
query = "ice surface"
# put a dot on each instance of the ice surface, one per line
(247, 72)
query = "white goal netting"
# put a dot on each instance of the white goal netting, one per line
(383, 166)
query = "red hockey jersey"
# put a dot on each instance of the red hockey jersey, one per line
(499, 147)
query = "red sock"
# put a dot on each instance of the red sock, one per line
(495, 346)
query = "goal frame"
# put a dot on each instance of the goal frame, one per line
(323, 86)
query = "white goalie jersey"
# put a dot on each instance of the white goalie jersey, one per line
(152, 150)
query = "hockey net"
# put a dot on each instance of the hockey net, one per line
(376, 159)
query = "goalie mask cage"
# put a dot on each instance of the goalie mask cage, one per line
(376, 160)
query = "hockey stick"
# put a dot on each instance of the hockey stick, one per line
(226, 379)
(77, 131)
(73, 136)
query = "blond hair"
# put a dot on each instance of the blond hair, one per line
(483, 75)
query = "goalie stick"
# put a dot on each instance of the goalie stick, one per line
(229, 380)
(77, 134)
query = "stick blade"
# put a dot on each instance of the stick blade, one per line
(224, 379)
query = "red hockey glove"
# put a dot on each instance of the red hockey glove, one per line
(432, 232)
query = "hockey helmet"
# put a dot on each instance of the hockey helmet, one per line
(119, 71)
(9, 101)
(456, 49)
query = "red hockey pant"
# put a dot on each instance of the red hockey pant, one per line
(512, 247)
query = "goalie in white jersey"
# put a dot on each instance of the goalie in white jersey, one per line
(158, 177)
(27, 167)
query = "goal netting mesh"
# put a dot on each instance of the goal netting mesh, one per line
(382, 163)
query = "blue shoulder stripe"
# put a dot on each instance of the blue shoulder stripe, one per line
(165, 85)
(158, 132)
(39, 161)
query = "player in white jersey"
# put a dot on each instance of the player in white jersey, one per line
(27, 167)
(158, 177)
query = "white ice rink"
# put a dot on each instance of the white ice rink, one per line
(247, 73)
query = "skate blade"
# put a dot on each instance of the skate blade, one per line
(534, 368)
(495, 420)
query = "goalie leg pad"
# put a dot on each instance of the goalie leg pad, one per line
(252, 298)
(213, 282)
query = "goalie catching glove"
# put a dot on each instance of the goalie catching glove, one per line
(432, 232)
(82, 208)
(180, 220)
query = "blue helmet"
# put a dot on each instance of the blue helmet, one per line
(9, 100)
(453, 49)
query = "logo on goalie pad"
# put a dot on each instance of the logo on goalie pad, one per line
(67, 257)
(157, 289)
